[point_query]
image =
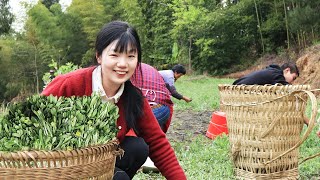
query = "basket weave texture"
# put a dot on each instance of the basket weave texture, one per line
(96, 162)
(264, 124)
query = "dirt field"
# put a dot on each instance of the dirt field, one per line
(309, 65)
(188, 123)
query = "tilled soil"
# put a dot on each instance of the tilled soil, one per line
(188, 123)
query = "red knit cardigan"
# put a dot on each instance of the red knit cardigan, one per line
(79, 83)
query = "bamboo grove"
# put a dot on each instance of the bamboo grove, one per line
(208, 36)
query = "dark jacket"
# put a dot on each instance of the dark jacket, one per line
(270, 75)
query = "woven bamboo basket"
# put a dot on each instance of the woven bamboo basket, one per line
(265, 125)
(96, 162)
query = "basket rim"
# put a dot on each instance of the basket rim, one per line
(58, 154)
(266, 87)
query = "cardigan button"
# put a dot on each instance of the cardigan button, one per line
(119, 127)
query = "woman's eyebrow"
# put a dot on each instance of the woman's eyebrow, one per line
(112, 50)
(132, 50)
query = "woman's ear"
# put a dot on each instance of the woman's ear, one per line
(98, 58)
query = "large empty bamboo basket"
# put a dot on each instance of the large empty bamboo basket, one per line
(265, 125)
(96, 162)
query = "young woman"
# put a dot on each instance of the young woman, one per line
(118, 53)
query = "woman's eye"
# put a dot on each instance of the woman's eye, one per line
(113, 55)
(131, 56)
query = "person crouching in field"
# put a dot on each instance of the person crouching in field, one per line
(118, 53)
(153, 87)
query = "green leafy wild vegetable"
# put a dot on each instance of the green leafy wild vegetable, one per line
(57, 123)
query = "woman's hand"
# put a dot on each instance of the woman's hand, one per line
(187, 99)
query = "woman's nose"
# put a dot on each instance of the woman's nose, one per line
(122, 61)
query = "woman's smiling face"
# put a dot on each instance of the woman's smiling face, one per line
(117, 67)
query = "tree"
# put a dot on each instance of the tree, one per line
(303, 22)
(286, 21)
(259, 25)
(75, 40)
(43, 33)
(157, 19)
(72, 42)
(49, 3)
(18, 73)
(46, 39)
(273, 27)
(6, 17)
(5, 57)
(132, 12)
(216, 37)
(44, 24)
(114, 10)
(57, 35)
(92, 16)
(190, 17)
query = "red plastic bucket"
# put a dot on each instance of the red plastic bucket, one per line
(218, 125)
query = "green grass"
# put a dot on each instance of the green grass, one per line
(203, 91)
(201, 158)
(311, 146)
(205, 159)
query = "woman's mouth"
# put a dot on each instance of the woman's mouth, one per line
(121, 72)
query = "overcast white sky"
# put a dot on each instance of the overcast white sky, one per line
(20, 13)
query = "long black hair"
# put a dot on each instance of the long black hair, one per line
(127, 36)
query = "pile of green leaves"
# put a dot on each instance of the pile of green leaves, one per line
(52, 123)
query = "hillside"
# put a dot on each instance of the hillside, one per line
(307, 61)
(309, 66)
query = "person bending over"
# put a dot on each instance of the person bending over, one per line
(170, 76)
(272, 74)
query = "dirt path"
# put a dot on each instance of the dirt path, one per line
(186, 123)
